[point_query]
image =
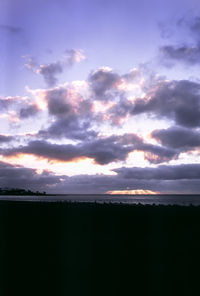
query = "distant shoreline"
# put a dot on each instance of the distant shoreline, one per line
(165, 200)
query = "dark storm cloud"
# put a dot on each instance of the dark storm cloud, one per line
(114, 148)
(177, 100)
(11, 29)
(46, 150)
(162, 172)
(20, 177)
(101, 150)
(5, 139)
(178, 138)
(29, 111)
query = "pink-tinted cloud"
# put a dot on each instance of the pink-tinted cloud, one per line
(50, 71)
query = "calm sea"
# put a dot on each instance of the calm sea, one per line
(117, 199)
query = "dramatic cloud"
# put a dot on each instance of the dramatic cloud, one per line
(178, 138)
(103, 151)
(106, 84)
(98, 118)
(71, 128)
(103, 184)
(162, 172)
(19, 177)
(114, 148)
(5, 139)
(51, 70)
(110, 93)
(157, 154)
(28, 111)
(118, 112)
(72, 114)
(16, 108)
(80, 101)
(177, 100)
(62, 102)
(165, 179)
(102, 81)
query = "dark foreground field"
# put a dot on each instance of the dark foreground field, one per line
(92, 249)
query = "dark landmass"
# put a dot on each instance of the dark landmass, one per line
(98, 249)
(19, 191)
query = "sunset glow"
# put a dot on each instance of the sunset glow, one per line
(133, 192)
(99, 97)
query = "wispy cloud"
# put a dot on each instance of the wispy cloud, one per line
(11, 29)
(185, 52)
(51, 70)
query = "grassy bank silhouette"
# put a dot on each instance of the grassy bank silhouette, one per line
(98, 249)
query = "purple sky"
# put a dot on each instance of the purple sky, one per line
(100, 96)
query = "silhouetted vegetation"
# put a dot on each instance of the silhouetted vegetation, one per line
(19, 191)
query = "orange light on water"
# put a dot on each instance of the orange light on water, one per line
(132, 192)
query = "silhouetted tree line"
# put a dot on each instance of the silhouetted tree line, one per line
(19, 191)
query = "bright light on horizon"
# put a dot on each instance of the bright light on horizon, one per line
(133, 192)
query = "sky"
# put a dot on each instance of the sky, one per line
(100, 96)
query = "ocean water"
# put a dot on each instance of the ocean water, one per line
(184, 200)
